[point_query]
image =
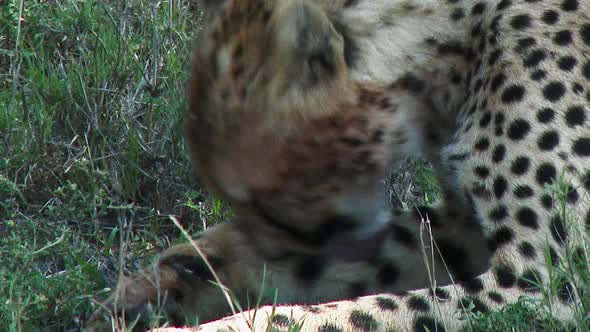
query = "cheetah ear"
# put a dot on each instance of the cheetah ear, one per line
(307, 35)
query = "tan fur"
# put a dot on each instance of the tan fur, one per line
(299, 139)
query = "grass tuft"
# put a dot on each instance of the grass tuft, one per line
(91, 150)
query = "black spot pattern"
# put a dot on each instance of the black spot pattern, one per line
(499, 122)
(548, 141)
(440, 293)
(554, 91)
(550, 17)
(586, 181)
(478, 8)
(329, 327)
(527, 217)
(482, 144)
(350, 3)
(498, 213)
(411, 83)
(567, 63)
(553, 257)
(497, 82)
(481, 171)
(563, 38)
(427, 324)
(500, 185)
(457, 14)
(586, 74)
(546, 174)
(527, 250)
(524, 44)
(502, 236)
(513, 94)
(505, 276)
(386, 304)
(418, 303)
(530, 281)
(493, 59)
(581, 147)
(281, 320)
(585, 34)
(566, 291)
(523, 191)
(470, 304)
(535, 58)
(504, 4)
(569, 5)
(572, 196)
(363, 321)
(498, 153)
(485, 119)
(520, 165)
(558, 230)
(518, 129)
(545, 115)
(547, 201)
(520, 22)
(575, 116)
(538, 75)
(496, 297)
(473, 286)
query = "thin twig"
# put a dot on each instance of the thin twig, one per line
(223, 288)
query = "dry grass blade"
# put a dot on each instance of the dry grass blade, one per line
(218, 282)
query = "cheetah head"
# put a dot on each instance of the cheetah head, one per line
(285, 125)
(273, 60)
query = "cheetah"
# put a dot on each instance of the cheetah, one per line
(299, 107)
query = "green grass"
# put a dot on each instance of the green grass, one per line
(92, 159)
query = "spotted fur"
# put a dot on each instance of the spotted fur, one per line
(299, 108)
